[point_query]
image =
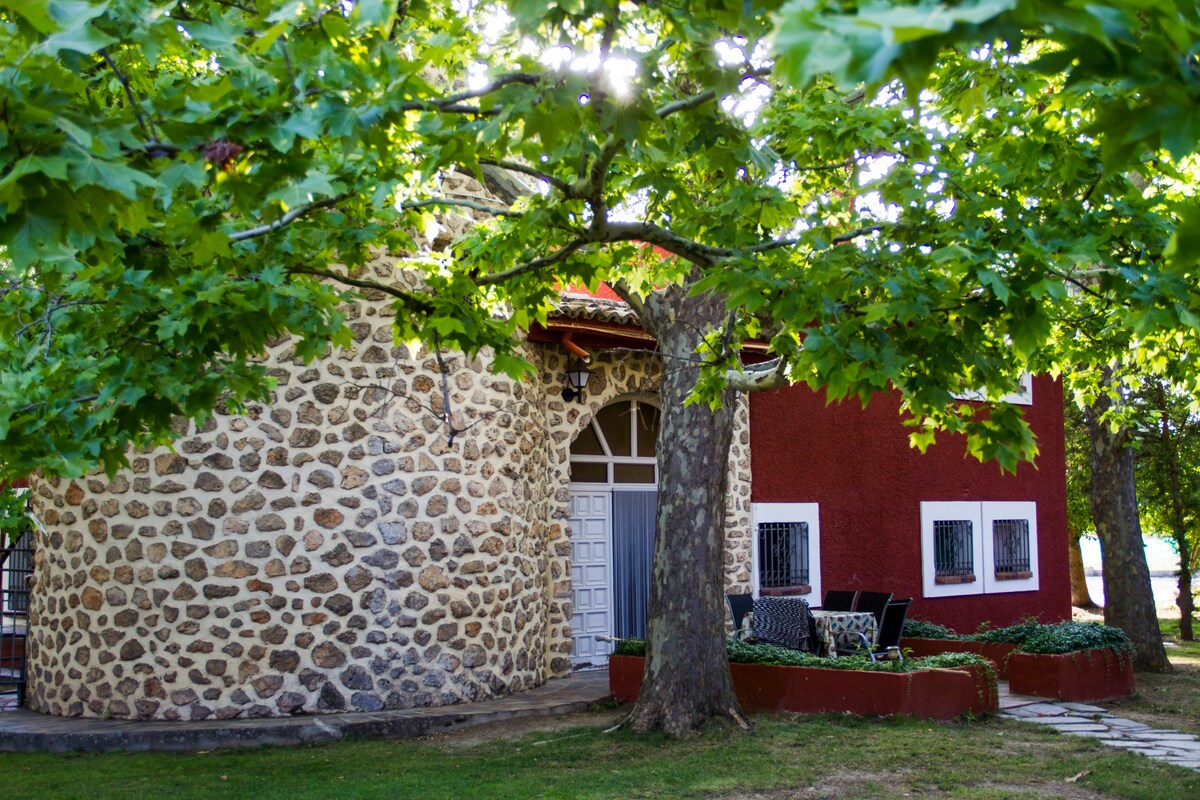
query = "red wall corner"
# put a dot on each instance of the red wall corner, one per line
(858, 465)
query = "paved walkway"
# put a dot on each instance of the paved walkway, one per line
(1080, 719)
(23, 731)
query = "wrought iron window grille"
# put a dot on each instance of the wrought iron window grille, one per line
(783, 558)
(16, 568)
(954, 553)
(1010, 541)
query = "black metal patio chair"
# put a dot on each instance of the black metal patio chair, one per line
(837, 600)
(739, 606)
(875, 602)
(892, 628)
(887, 642)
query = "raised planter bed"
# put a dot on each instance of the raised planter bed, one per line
(1082, 676)
(996, 652)
(928, 694)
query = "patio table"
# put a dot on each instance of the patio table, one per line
(832, 625)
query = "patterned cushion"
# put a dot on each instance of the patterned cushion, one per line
(781, 621)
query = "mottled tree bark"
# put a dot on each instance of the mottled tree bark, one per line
(1080, 596)
(1179, 525)
(1184, 601)
(1128, 598)
(686, 679)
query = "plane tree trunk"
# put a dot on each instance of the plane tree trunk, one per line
(686, 679)
(1128, 599)
(1186, 605)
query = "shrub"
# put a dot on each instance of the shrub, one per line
(1013, 634)
(1069, 637)
(920, 629)
(745, 653)
(1032, 636)
(630, 647)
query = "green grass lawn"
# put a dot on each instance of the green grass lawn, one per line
(1171, 700)
(786, 757)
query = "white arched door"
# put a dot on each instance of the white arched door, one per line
(613, 502)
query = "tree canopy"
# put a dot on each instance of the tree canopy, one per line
(181, 182)
(176, 184)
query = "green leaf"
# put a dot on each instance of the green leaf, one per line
(35, 12)
(81, 37)
(268, 37)
(89, 170)
(53, 167)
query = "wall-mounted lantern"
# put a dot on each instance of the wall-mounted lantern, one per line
(577, 379)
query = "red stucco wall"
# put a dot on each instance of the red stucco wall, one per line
(857, 464)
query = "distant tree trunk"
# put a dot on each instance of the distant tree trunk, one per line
(686, 679)
(1179, 526)
(1080, 596)
(1128, 599)
(1184, 601)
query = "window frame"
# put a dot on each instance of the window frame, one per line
(1021, 397)
(610, 461)
(982, 514)
(809, 513)
(997, 510)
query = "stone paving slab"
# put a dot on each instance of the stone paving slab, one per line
(24, 731)
(1171, 746)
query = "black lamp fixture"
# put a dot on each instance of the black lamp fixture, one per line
(577, 379)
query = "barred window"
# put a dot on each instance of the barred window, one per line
(782, 555)
(1010, 540)
(954, 554)
(978, 547)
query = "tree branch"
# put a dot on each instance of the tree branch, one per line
(702, 254)
(688, 103)
(849, 162)
(561, 254)
(621, 287)
(145, 122)
(54, 309)
(288, 218)
(73, 401)
(854, 234)
(597, 181)
(453, 201)
(453, 104)
(526, 78)
(765, 247)
(412, 300)
(524, 169)
(758, 377)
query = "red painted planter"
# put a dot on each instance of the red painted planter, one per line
(996, 652)
(1085, 676)
(929, 694)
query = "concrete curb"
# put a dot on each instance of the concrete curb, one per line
(23, 731)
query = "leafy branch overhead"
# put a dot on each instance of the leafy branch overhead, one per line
(180, 186)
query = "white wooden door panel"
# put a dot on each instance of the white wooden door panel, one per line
(590, 576)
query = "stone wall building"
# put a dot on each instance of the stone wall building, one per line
(402, 529)
(336, 549)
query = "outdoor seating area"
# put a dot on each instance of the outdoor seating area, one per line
(847, 623)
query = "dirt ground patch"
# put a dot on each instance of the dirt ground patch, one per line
(519, 727)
